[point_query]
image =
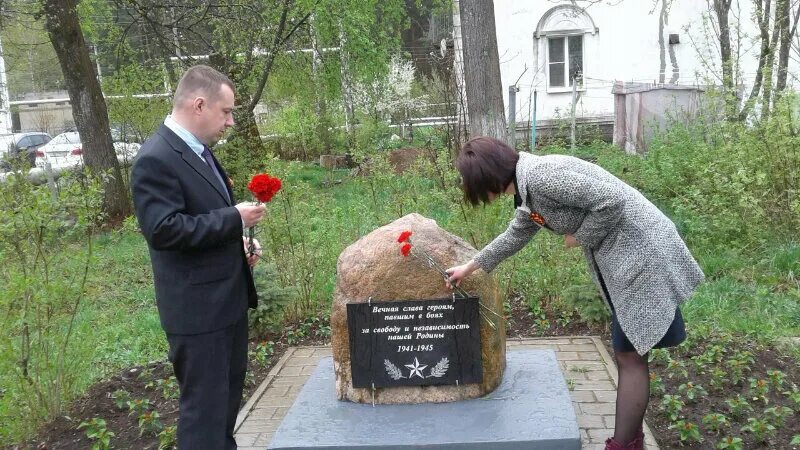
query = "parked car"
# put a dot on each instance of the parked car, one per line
(21, 145)
(66, 150)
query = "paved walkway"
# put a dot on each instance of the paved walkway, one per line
(588, 368)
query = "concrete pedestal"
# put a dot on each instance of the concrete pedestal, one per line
(531, 409)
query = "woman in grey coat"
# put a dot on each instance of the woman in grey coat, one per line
(635, 255)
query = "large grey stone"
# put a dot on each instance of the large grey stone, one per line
(373, 268)
(531, 409)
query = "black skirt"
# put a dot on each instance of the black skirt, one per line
(676, 333)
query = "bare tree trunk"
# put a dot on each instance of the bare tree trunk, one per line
(662, 51)
(347, 89)
(673, 60)
(762, 16)
(722, 9)
(769, 65)
(461, 133)
(245, 129)
(783, 16)
(482, 69)
(88, 104)
(170, 76)
(321, 105)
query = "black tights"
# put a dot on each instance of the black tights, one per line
(633, 393)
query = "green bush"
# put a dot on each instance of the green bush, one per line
(46, 245)
(728, 183)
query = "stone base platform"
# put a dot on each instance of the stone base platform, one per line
(531, 408)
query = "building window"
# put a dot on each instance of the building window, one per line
(565, 60)
(562, 35)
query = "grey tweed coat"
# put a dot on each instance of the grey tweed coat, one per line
(645, 264)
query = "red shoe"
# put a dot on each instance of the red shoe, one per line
(639, 441)
(611, 444)
(636, 444)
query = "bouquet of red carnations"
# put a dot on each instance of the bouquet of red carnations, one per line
(264, 187)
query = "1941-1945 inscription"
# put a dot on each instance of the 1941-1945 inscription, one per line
(415, 342)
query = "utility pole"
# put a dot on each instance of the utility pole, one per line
(533, 121)
(512, 110)
(572, 113)
(512, 116)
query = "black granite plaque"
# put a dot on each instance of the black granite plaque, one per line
(415, 342)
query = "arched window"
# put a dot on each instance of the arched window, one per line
(560, 38)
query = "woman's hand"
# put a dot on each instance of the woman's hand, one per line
(458, 273)
(570, 241)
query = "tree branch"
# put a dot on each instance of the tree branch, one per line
(762, 17)
(279, 41)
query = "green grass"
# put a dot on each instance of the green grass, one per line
(122, 305)
(746, 308)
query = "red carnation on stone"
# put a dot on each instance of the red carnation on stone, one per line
(419, 253)
(264, 187)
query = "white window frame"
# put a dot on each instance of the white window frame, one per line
(565, 36)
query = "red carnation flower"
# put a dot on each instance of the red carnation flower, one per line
(264, 187)
(404, 236)
(405, 249)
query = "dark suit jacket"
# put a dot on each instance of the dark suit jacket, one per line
(194, 234)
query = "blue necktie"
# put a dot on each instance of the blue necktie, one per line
(210, 161)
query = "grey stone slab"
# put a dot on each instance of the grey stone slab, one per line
(531, 409)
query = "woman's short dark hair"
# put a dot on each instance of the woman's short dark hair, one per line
(486, 165)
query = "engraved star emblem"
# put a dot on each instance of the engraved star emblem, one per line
(416, 368)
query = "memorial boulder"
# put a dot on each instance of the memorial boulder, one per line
(408, 337)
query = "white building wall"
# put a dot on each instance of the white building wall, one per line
(625, 47)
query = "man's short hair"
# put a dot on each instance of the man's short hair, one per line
(201, 80)
(486, 165)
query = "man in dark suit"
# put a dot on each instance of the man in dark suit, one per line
(202, 280)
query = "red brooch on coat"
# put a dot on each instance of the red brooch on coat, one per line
(537, 218)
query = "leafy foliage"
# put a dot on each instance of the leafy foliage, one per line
(46, 242)
(97, 431)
